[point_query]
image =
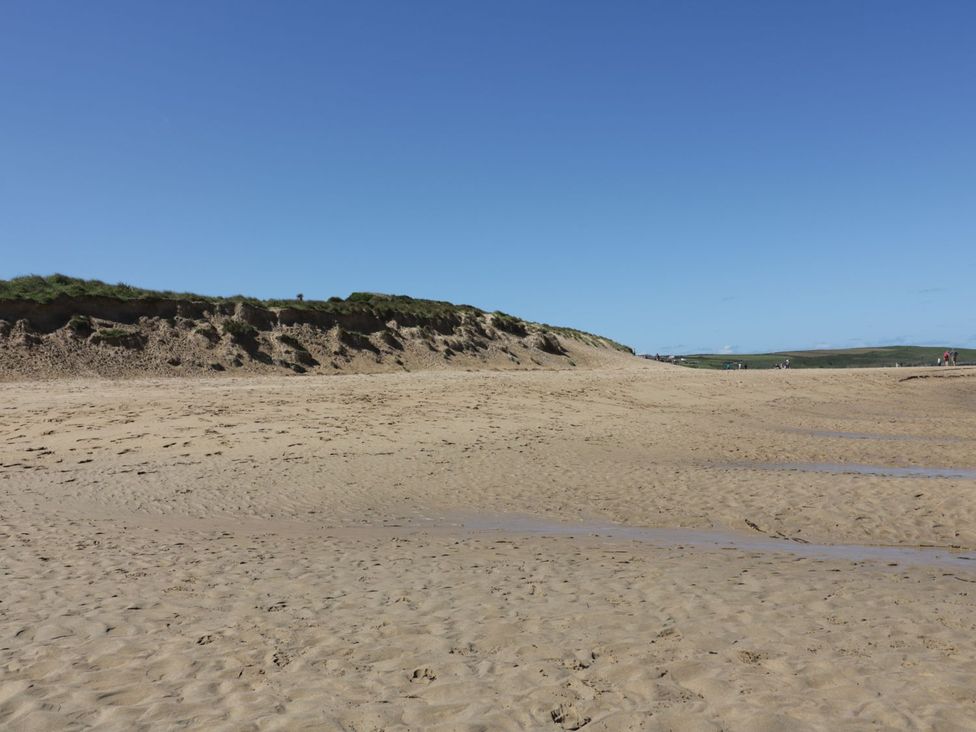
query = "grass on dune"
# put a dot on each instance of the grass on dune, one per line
(44, 289)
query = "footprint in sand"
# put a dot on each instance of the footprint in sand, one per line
(580, 660)
(567, 716)
(752, 658)
(423, 674)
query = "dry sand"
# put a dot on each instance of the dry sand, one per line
(318, 552)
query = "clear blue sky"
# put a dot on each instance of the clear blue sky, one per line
(681, 176)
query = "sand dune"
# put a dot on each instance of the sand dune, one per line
(289, 553)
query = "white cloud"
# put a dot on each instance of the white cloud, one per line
(727, 350)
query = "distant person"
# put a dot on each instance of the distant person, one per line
(945, 358)
(955, 358)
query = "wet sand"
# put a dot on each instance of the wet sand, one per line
(617, 548)
(856, 469)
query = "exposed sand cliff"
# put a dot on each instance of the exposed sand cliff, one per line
(106, 336)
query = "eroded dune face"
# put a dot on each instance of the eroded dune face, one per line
(86, 336)
(286, 552)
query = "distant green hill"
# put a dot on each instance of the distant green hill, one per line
(832, 358)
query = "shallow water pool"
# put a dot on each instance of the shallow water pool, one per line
(717, 539)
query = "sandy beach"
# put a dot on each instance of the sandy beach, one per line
(440, 550)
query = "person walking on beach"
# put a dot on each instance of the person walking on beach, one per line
(945, 358)
(955, 358)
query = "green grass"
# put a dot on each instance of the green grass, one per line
(833, 358)
(508, 323)
(45, 289)
(80, 323)
(107, 333)
(239, 329)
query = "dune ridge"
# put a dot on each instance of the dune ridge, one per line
(61, 326)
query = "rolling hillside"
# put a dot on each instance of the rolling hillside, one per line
(880, 356)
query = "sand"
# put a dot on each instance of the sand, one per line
(430, 551)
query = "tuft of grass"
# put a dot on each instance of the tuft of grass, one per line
(80, 323)
(239, 329)
(114, 336)
(508, 323)
(111, 332)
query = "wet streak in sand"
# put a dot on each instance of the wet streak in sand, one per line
(843, 435)
(713, 539)
(859, 469)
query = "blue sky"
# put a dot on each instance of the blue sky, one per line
(681, 176)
